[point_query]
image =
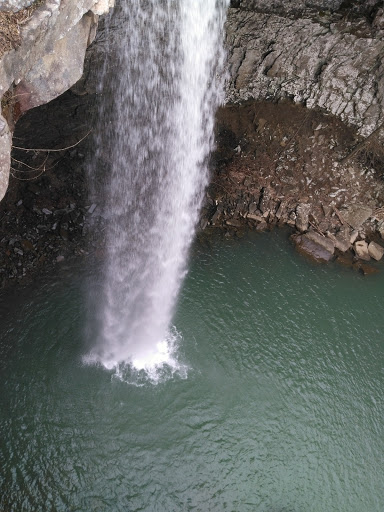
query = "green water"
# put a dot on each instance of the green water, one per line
(280, 409)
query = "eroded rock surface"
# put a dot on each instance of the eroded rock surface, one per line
(331, 60)
(48, 61)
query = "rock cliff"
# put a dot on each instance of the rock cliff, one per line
(47, 60)
(299, 139)
(320, 53)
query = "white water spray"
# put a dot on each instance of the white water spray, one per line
(162, 78)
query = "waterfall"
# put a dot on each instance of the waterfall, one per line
(162, 83)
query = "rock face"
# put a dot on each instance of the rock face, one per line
(14, 5)
(331, 60)
(290, 6)
(48, 62)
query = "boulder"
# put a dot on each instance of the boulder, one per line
(15, 5)
(341, 242)
(315, 246)
(361, 250)
(376, 251)
(302, 214)
(356, 214)
(261, 226)
(346, 259)
(46, 63)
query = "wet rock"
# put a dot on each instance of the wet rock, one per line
(341, 242)
(261, 226)
(376, 251)
(355, 215)
(361, 250)
(302, 217)
(346, 259)
(234, 223)
(367, 270)
(315, 246)
(254, 216)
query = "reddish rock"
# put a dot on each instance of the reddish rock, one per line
(367, 270)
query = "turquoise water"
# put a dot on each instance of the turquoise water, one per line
(277, 405)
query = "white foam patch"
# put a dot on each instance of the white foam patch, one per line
(153, 367)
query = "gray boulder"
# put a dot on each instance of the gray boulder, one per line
(376, 251)
(356, 214)
(361, 250)
(342, 242)
(302, 216)
(315, 246)
(48, 61)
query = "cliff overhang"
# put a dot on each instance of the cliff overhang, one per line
(46, 60)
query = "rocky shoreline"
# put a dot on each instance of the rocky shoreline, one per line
(279, 164)
(276, 164)
(299, 144)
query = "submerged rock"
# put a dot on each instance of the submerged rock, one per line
(342, 242)
(315, 246)
(367, 270)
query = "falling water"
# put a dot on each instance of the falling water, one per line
(161, 86)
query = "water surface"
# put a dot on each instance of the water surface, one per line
(277, 407)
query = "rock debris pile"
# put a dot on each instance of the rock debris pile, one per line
(282, 165)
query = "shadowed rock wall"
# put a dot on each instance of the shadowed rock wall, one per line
(48, 61)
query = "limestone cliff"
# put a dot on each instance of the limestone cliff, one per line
(319, 53)
(47, 61)
(324, 54)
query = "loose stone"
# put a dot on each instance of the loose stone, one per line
(361, 250)
(315, 246)
(302, 217)
(376, 251)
